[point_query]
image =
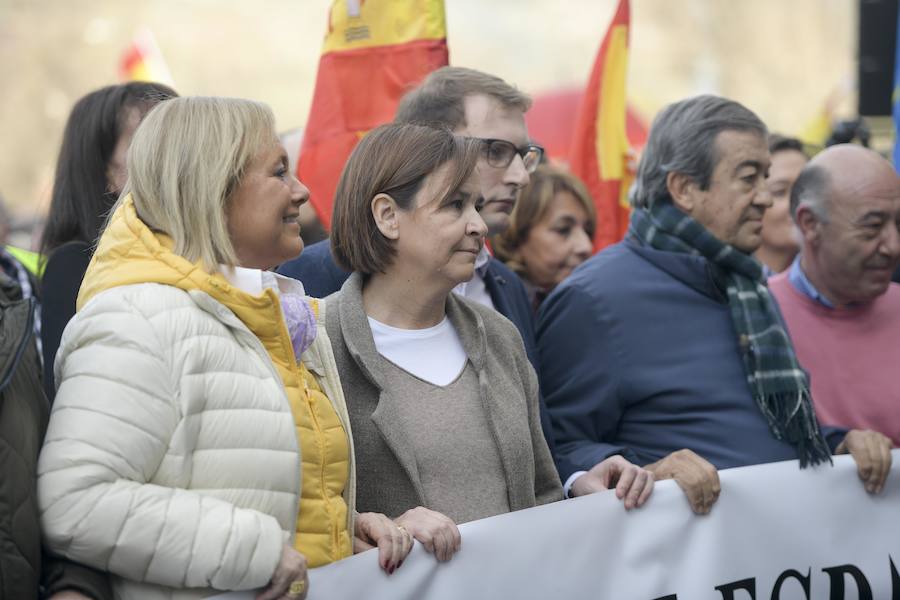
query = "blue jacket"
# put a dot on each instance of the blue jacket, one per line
(639, 358)
(321, 277)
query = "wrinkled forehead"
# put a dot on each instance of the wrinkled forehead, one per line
(487, 117)
(859, 180)
(856, 195)
(734, 148)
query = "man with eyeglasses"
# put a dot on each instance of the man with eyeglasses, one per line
(478, 105)
(481, 106)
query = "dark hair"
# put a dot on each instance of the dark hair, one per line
(844, 132)
(780, 143)
(80, 198)
(439, 99)
(393, 159)
(682, 140)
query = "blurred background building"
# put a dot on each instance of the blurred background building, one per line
(786, 60)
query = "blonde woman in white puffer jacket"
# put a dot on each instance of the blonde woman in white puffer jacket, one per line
(192, 381)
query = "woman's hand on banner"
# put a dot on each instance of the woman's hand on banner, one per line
(633, 484)
(290, 579)
(435, 531)
(393, 542)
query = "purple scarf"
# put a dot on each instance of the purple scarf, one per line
(300, 320)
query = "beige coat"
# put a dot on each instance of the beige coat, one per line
(388, 479)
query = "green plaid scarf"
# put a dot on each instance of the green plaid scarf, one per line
(777, 382)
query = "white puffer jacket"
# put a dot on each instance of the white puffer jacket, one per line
(171, 460)
(167, 387)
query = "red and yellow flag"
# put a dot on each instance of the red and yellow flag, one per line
(600, 153)
(143, 61)
(817, 130)
(374, 52)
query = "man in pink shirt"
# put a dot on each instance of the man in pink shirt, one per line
(841, 309)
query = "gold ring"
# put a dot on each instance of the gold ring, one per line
(402, 529)
(297, 588)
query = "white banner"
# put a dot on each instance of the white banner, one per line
(777, 532)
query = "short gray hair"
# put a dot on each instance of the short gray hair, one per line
(186, 159)
(811, 190)
(682, 141)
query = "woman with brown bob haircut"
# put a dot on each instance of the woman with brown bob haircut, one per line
(443, 402)
(550, 233)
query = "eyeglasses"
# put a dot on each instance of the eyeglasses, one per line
(500, 154)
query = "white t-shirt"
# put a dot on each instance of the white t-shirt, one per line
(434, 354)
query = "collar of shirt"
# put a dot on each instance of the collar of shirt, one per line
(248, 280)
(254, 281)
(482, 260)
(803, 285)
(481, 266)
(299, 317)
(476, 289)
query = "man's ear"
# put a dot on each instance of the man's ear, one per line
(809, 225)
(683, 190)
(385, 213)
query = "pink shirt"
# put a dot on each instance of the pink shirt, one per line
(852, 356)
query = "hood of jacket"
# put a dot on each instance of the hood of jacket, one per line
(129, 253)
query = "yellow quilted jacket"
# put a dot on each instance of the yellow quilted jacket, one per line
(130, 253)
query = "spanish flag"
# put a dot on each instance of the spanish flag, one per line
(600, 152)
(374, 52)
(818, 129)
(143, 61)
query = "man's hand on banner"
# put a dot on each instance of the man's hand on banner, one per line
(872, 453)
(632, 483)
(393, 541)
(435, 531)
(694, 474)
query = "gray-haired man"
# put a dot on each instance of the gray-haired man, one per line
(667, 348)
